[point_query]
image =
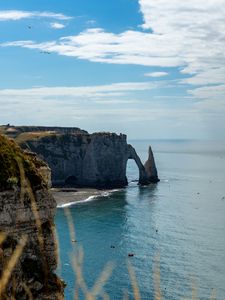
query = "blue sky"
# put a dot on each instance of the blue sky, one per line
(150, 69)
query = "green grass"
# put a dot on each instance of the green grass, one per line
(27, 136)
(10, 153)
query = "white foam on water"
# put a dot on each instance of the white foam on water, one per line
(89, 199)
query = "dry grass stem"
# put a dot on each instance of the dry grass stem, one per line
(71, 225)
(2, 237)
(59, 297)
(213, 295)
(194, 290)
(26, 188)
(105, 296)
(156, 274)
(28, 291)
(125, 295)
(11, 264)
(134, 283)
(102, 279)
(77, 266)
(57, 248)
(76, 292)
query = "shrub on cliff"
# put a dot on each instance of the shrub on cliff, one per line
(10, 156)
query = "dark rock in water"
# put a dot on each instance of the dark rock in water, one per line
(27, 212)
(150, 167)
(79, 159)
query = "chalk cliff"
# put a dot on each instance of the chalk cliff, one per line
(27, 244)
(92, 160)
(77, 158)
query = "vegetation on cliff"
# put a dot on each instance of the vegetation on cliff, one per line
(10, 156)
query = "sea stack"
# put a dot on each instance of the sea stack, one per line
(150, 167)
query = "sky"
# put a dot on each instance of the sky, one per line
(146, 68)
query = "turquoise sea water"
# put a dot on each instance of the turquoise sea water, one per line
(179, 222)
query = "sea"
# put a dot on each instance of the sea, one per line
(168, 237)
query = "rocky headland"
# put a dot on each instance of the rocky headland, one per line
(28, 251)
(79, 159)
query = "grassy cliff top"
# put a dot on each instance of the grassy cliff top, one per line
(27, 136)
(15, 131)
(10, 155)
(22, 134)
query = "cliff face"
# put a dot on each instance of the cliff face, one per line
(77, 158)
(96, 160)
(27, 245)
(92, 160)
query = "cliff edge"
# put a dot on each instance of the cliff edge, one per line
(28, 252)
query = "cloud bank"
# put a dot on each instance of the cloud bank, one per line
(95, 92)
(188, 35)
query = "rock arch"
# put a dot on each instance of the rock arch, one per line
(77, 158)
(147, 172)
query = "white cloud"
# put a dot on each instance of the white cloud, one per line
(196, 28)
(156, 74)
(215, 92)
(189, 35)
(95, 92)
(164, 121)
(114, 107)
(13, 15)
(129, 47)
(57, 25)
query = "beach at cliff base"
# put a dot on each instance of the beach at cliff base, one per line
(66, 197)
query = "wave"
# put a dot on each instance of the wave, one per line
(89, 199)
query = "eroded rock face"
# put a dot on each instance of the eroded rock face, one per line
(27, 212)
(92, 160)
(42, 167)
(88, 160)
